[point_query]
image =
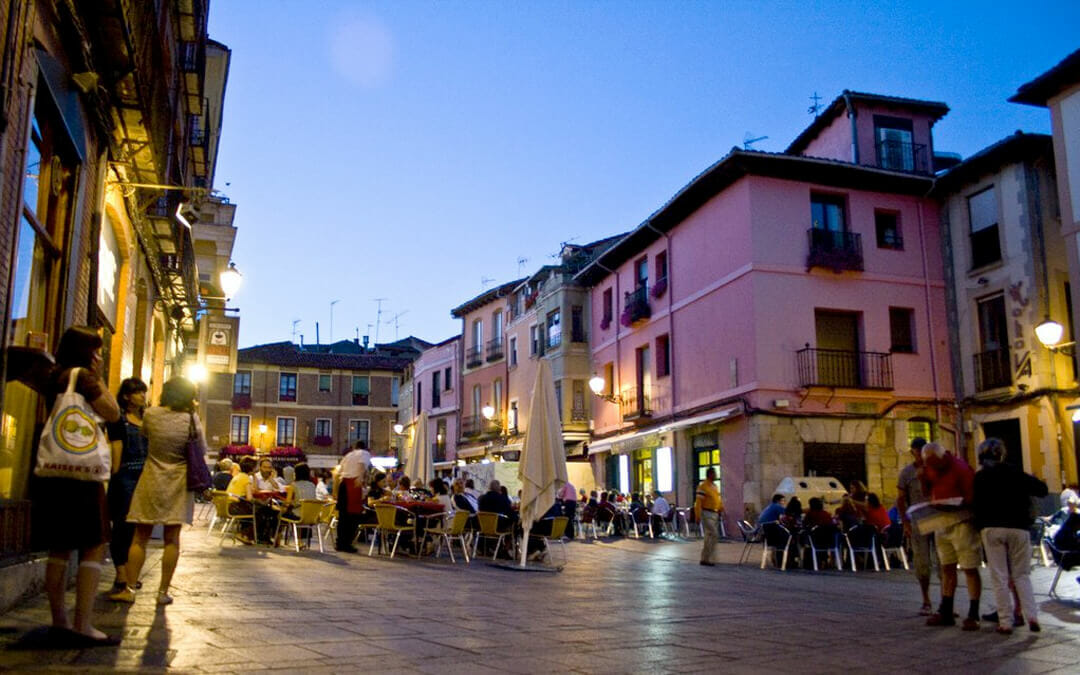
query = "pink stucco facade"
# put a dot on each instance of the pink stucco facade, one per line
(436, 378)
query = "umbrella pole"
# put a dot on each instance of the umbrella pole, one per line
(525, 544)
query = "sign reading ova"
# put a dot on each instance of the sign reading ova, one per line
(75, 431)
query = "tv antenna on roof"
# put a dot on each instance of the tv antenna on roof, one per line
(295, 322)
(378, 316)
(485, 282)
(394, 320)
(815, 105)
(749, 139)
(521, 264)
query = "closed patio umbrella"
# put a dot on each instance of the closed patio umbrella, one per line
(542, 466)
(418, 464)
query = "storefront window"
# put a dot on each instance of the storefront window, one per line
(706, 455)
(643, 471)
(918, 428)
(665, 476)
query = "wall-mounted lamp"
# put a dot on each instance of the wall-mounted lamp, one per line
(597, 384)
(1049, 333)
(230, 280)
(488, 412)
(399, 428)
(196, 372)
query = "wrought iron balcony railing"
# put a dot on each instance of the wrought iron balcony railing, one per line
(473, 357)
(478, 427)
(834, 249)
(902, 156)
(495, 349)
(844, 368)
(636, 306)
(641, 402)
(992, 370)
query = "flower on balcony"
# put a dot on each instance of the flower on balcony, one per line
(660, 288)
(530, 299)
(626, 318)
(236, 451)
(605, 323)
(241, 401)
(323, 441)
(286, 451)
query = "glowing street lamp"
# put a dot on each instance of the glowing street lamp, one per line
(196, 372)
(488, 412)
(399, 428)
(230, 280)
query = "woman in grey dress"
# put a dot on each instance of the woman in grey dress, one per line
(162, 497)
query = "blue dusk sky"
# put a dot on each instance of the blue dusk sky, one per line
(415, 151)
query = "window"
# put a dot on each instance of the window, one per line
(497, 326)
(286, 431)
(578, 413)
(983, 212)
(477, 392)
(902, 329)
(534, 340)
(395, 390)
(436, 389)
(242, 382)
(706, 455)
(513, 351)
(287, 386)
(993, 366)
(887, 225)
(609, 378)
(827, 213)
(661, 266)
(240, 430)
(512, 418)
(322, 428)
(361, 390)
(894, 141)
(497, 398)
(918, 428)
(608, 306)
(558, 398)
(358, 431)
(419, 398)
(663, 356)
(641, 273)
(478, 333)
(577, 323)
(446, 379)
(554, 328)
(324, 381)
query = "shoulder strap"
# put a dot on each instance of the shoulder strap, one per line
(71, 380)
(191, 426)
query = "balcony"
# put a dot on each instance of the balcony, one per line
(636, 306)
(360, 399)
(438, 452)
(579, 335)
(241, 401)
(495, 349)
(641, 403)
(473, 357)
(844, 368)
(835, 250)
(901, 156)
(478, 427)
(579, 415)
(992, 370)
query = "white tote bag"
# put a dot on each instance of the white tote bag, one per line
(73, 444)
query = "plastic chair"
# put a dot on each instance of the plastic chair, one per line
(220, 501)
(387, 515)
(558, 529)
(683, 513)
(309, 516)
(588, 522)
(892, 542)
(751, 535)
(1065, 559)
(776, 539)
(235, 517)
(640, 519)
(489, 529)
(824, 539)
(862, 539)
(328, 517)
(455, 532)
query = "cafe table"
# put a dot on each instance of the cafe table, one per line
(424, 512)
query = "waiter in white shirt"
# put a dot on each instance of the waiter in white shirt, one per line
(350, 479)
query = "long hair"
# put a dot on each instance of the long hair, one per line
(178, 394)
(77, 347)
(129, 388)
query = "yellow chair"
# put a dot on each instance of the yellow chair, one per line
(489, 529)
(220, 500)
(236, 516)
(387, 515)
(558, 529)
(309, 515)
(456, 532)
(328, 517)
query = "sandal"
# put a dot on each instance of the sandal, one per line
(926, 610)
(127, 594)
(164, 598)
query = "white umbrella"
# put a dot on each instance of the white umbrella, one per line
(542, 468)
(418, 460)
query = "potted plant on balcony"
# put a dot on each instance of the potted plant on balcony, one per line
(605, 323)
(241, 401)
(234, 451)
(323, 441)
(660, 288)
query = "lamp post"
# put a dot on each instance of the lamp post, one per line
(1050, 333)
(262, 434)
(598, 386)
(231, 280)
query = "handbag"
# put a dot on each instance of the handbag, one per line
(73, 444)
(198, 474)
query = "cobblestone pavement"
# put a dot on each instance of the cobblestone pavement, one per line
(619, 606)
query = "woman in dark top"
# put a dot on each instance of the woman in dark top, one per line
(71, 514)
(129, 455)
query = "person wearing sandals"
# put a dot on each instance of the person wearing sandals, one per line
(72, 514)
(162, 497)
(128, 458)
(909, 492)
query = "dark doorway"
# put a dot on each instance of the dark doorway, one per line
(1009, 433)
(843, 461)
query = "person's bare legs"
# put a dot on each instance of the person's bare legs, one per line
(86, 584)
(137, 553)
(169, 557)
(55, 576)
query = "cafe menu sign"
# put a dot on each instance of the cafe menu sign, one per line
(217, 343)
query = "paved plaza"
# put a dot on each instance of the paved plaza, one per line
(619, 606)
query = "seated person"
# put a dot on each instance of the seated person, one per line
(377, 492)
(460, 499)
(1067, 537)
(793, 515)
(494, 501)
(403, 486)
(223, 475)
(593, 500)
(321, 491)
(266, 479)
(635, 502)
(607, 512)
(772, 512)
(876, 514)
(816, 514)
(847, 514)
(859, 497)
(301, 488)
(659, 512)
(441, 494)
(241, 487)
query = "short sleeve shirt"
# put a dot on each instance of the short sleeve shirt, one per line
(355, 464)
(239, 484)
(709, 496)
(910, 485)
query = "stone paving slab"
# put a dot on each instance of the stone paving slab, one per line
(620, 606)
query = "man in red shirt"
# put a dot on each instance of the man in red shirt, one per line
(946, 476)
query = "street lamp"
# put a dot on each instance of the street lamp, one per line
(399, 428)
(262, 433)
(196, 372)
(1050, 333)
(230, 280)
(597, 384)
(488, 412)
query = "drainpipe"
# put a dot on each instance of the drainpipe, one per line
(929, 317)
(671, 343)
(953, 317)
(614, 300)
(854, 130)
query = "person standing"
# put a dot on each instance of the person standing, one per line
(707, 508)
(128, 457)
(72, 514)
(1002, 514)
(909, 492)
(162, 496)
(947, 477)
(350, 495)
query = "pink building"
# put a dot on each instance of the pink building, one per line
(782, 315)
(435, 377)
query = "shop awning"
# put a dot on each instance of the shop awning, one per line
(715, 416)
(465, 453)
(651, 437)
